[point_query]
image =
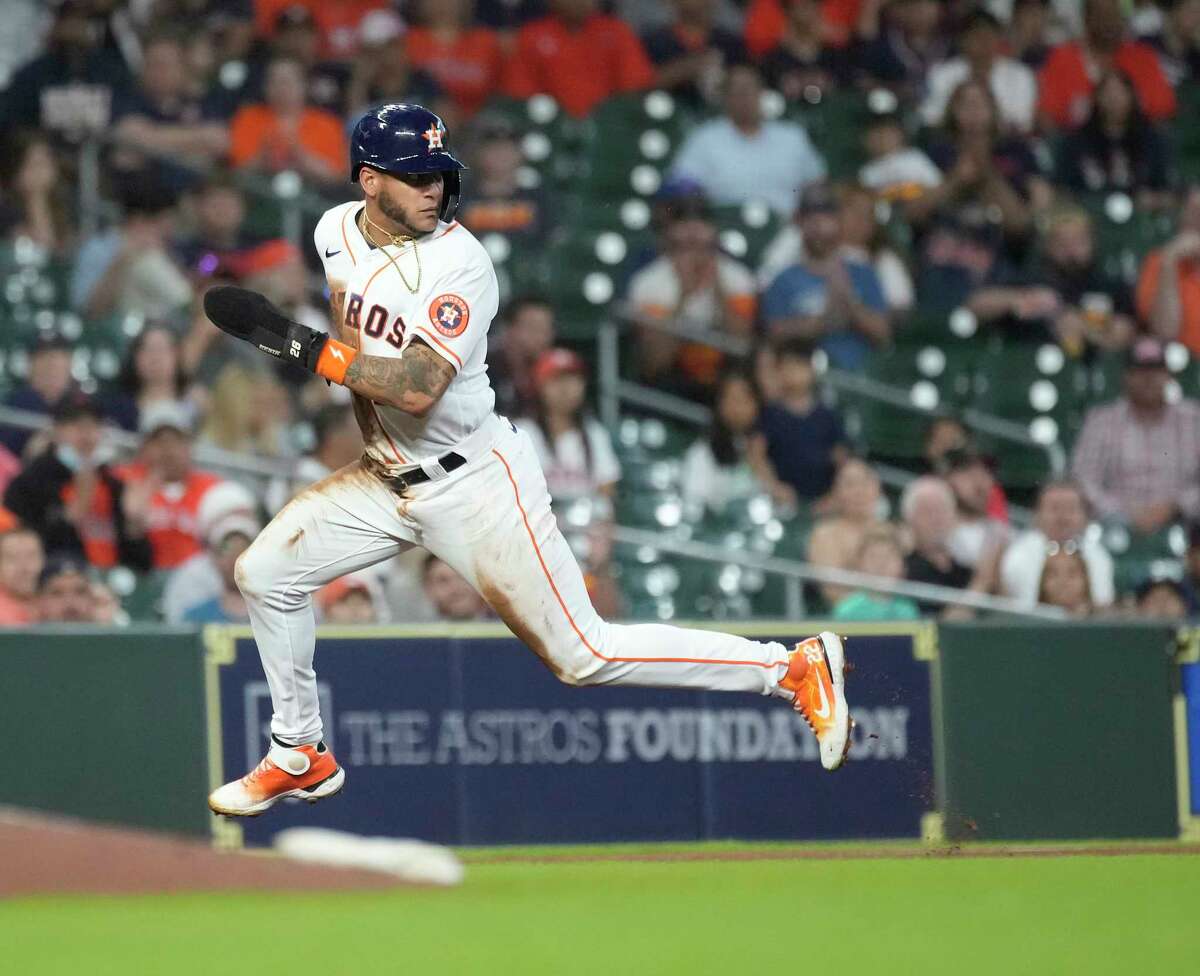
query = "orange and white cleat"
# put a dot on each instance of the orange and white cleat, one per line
(304, 772)
(817, 680)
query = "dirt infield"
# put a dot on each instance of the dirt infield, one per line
(882, 852)
(46, 855)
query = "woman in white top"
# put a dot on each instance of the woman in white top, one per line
(718, 469)
(576, 452)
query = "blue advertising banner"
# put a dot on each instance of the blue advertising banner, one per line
(1190, 676)
(461, 736)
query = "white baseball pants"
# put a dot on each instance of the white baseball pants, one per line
(491, 520)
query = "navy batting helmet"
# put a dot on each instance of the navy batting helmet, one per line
(402, 138)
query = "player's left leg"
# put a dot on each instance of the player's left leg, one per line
(511, 550)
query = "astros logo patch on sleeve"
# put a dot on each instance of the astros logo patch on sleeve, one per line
(449, 315)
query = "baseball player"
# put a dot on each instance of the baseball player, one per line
(413, 296)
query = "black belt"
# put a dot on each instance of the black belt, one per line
(402, 482)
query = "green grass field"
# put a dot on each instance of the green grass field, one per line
(1078, 914)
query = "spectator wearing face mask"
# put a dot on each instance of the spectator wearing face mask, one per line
(73, 498)
(49, 384)
(164, 488)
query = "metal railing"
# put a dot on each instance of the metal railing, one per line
(297, 202)
(796, 573)
(243, 467)
(614, 390)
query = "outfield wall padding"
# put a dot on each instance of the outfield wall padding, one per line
(106, 726)
(1057, 731)
(1006, 732)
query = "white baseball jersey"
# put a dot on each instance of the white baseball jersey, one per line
(449, 300)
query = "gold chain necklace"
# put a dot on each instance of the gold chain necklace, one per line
(397, 240)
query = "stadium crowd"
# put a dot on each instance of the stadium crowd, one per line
(989, 123)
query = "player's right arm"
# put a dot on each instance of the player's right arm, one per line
(412, 382)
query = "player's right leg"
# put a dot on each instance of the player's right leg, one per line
(347, 522)
(495, 526)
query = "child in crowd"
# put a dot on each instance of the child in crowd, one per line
(879, 554)
(804, 439)
(1065, 582)
(896, 171)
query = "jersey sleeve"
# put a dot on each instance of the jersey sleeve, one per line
(461, 307)
(327, 239)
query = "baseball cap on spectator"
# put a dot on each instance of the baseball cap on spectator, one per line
(380, 27)
(960, 459)
(978, 18)
(1146, 353)
(227, 508)
(817, 198)
(297, 15)
(61, 564)
(339, 589)
(555, 362)
(1166, 582)
(50, 342)
(144, 192)
(163, 415)
(75, 406)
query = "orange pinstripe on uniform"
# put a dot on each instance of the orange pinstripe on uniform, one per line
(346, 240)
(430, 335)
(571, 620)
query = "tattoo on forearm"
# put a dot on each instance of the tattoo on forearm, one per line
(410, 383)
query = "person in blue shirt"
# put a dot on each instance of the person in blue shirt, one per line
(825, 297)
(805, 440)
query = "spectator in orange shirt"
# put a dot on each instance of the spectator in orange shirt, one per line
(1170, 301)
(691, 52)
(1069, 76)
(163, 489)
(21, 562)
(338, 21)
(578, 56)
(692, 285)
(496, 202)
(284, 133)
(73, 498)
(766, 23)
(383, 72)
(465, 61)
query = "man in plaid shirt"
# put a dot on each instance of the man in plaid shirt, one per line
(1138, 459)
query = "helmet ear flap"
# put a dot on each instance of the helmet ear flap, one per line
(451, 191)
